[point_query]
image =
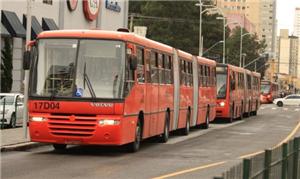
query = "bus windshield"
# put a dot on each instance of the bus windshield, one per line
(265, 88)
(221, 86)
(78, 68)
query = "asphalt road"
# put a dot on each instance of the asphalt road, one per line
(203, 154)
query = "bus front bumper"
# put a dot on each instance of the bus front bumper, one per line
(82, 132)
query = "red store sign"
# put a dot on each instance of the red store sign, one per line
(91, 9)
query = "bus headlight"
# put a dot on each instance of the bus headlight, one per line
(110, 122)
(37, 119)
(222, 104)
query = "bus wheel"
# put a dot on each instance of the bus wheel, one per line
(247, 114)
(135, 146)
(163, 138)
(186, 130)
(242, 112)
(255, 112)
(59, 147)
(206, 124)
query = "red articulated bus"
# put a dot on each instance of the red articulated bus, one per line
(94, 87)
(230, 92)
(252, 102)
(255, 94)
(269, 91)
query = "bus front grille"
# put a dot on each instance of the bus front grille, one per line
(72, 126)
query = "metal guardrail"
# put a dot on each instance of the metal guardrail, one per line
(282, 162)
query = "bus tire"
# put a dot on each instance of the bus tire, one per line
(206, 124)
(60, 147)
(13, 121)
(186, 130)
(242, 112)
(135, 146)
(164, 137)
(247, 114)
(255, 112)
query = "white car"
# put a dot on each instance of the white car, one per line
(293, 99)
(11, 109)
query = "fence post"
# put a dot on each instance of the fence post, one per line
(268, 160)
(295, 157)
(246, 168)
(3, 113)
(284, 161)
(16, 109)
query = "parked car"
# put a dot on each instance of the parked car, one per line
(293, 99)
(11, 109)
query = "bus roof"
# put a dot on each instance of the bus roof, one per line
(102, 34)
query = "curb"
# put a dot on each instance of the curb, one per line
(21, 146)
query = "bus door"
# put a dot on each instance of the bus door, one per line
(152, 93)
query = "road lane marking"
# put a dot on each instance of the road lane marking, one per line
(223, 162)
(285, 109)
(280, 143)
(190, 170)
(297, 109)
(195, 134)
(289, 136)
(274, 108)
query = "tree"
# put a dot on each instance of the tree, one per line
(176, 23)
(252, 47)
(6, 66)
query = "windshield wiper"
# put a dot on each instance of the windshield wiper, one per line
(86, 79)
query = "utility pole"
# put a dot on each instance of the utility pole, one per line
(200, 30)
(26, 78)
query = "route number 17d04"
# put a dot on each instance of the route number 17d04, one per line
(46, 105)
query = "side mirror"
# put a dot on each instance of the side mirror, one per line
(133, 62)
(26, 60)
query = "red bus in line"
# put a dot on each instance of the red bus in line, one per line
(269, 91)
(252, 93)
(94, 87)
(230, 92)
(255, 96)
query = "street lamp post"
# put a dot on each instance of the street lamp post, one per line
(200, 22)
(26, 78)
(241, 45)
(224, 36)
(212, 46)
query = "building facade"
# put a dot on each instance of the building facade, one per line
(288, 54)
(261, 13)
(54, 15)
(297, 22)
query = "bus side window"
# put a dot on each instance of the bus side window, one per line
(182, 70)
(191, 73)
(167, 69)
(129, 76)
(140, 66)
(147, 66)
(232, 81)
(154, 67)
(161, 68)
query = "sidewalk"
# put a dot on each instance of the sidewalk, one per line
(14, 139)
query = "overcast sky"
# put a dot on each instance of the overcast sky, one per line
(286, 13)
